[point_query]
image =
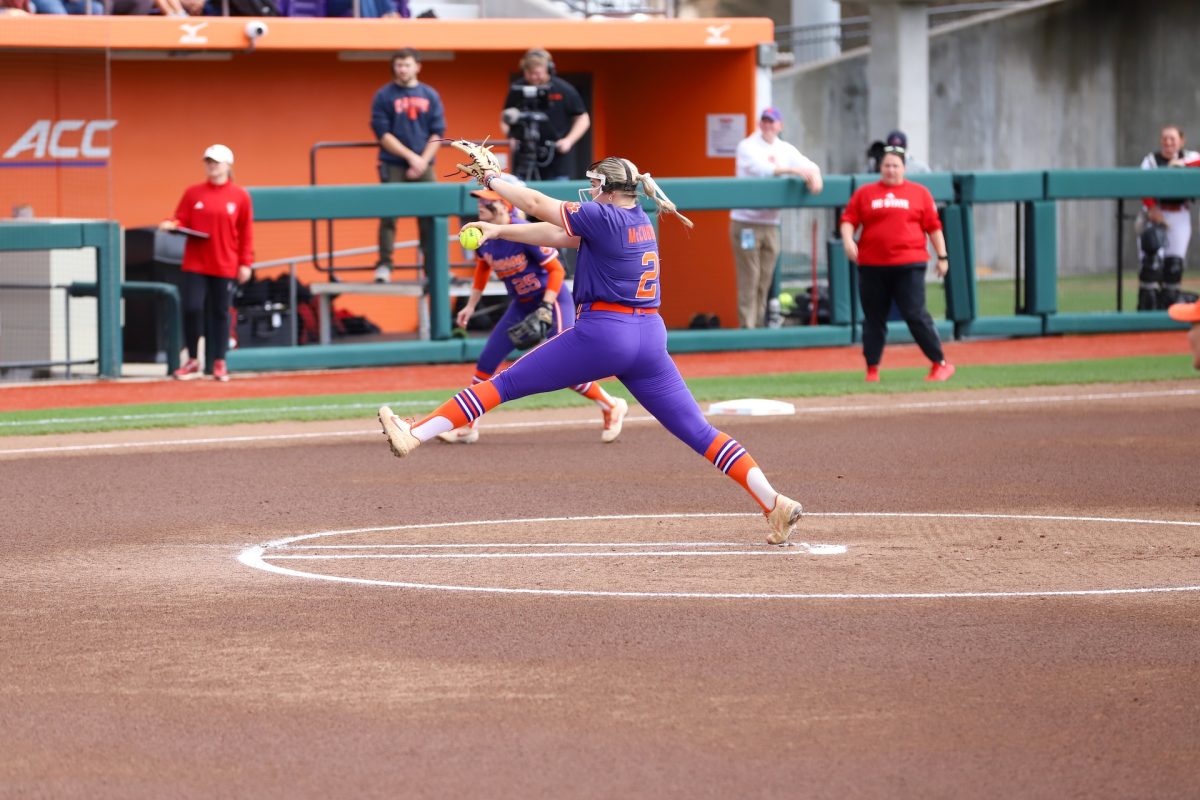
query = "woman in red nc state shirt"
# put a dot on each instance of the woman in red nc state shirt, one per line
(896, 216)
(219, 250)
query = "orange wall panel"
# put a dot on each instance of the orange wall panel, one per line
(656, 108)
(271, 106)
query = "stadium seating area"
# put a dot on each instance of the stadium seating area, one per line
(256, 8)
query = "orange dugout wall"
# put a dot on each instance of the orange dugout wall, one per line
(108, 117)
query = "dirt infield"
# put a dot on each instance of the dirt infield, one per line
(1013, 615)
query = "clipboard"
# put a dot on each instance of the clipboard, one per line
(189, 232)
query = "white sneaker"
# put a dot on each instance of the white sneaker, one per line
(398, 433)
(383, 274)
(464, 435)
(613, 417)
(783, 518)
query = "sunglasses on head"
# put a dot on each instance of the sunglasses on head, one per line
(894, 149)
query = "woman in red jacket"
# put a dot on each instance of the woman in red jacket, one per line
(896, 217)
(218, 252)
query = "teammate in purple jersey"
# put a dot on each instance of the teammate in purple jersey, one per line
(618, 330)
(533, 276)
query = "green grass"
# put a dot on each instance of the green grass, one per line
(795, 384)
(1076, 294)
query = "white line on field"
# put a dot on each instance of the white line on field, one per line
(839, 409)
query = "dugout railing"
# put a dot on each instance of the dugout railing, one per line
(1034, 193)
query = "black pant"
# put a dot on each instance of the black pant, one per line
(877, 288)
(206, 301)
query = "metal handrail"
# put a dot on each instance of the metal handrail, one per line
(312, 179)
(291, 261)
(331, 269)
(600, 8)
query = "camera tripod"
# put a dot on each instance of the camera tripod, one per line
(531, 158)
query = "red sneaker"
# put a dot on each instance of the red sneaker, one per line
(189, 370)
(941, 372)
(873, 374)
(220, 371)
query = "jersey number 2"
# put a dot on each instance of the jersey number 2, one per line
(647, 287)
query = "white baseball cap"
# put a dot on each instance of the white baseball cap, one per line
(219, 153)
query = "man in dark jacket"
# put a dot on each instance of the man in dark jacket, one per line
(409, 121)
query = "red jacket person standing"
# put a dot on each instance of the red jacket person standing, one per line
(896, 217)
(219, 251)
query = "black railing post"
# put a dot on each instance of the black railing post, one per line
(1120, 250)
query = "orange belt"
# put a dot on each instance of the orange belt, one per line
(600, 305)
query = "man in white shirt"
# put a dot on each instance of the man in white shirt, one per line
(754, 232)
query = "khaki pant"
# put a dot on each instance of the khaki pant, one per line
(394, 173)
(755, 268)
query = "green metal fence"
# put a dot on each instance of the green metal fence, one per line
(1035, 192)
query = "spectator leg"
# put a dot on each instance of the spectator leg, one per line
(425, 229)
(910, 299)
(746, 262)
(216, 317)
(768, 260)
(876, 298)
(194, 290)
(388, 173)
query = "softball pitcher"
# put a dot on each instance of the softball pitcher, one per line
(534, 277)
(618, 330)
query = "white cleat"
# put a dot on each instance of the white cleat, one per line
(613, 417)
(398, 433)
(783, 519)
(463, 435)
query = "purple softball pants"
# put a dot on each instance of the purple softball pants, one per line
(632, 347)
(498, 345)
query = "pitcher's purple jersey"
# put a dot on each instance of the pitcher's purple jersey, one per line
(522, 267)
(618, 254)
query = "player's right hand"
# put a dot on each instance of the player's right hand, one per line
(489, 230)
(464, 315)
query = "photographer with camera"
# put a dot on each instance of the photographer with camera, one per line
(543, 118)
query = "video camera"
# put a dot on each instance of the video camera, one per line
(528, 126)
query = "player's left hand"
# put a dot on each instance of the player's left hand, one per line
(480, 160)
(533, 329)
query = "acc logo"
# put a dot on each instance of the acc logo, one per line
(66, 138)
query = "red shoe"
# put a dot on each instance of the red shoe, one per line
(873, 374)
(189, 370)
(941, 372)
(220, 371)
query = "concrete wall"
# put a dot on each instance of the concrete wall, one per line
(1057, 84)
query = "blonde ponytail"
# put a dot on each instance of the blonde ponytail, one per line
(661, 201)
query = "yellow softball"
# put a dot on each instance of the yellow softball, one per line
(470, 238)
